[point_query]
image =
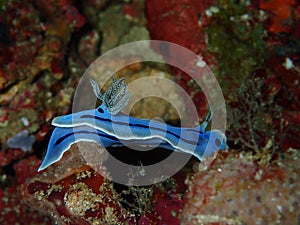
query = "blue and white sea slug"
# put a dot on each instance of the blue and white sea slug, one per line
(107, 126)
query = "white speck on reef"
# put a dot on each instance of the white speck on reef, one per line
(200, 62)
(288, 64)
(25, 121)
(212, 10)
(21, 140)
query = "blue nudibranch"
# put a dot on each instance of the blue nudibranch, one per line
(107, 126)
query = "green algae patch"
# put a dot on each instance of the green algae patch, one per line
(236, 38)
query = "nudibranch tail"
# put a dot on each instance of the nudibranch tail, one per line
(63, 137)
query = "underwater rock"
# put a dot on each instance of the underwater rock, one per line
(70, 192)
(236, 190)
(113, 26)
(13, 211)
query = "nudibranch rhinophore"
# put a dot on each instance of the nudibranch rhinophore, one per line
(107, 126)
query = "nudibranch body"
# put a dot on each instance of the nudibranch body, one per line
(107, 126)
(63, 137)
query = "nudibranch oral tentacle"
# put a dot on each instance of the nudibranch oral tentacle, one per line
(107, 126)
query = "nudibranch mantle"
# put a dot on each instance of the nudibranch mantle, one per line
(107, 126)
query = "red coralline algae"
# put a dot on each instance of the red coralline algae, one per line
(167, 204)
(73, 17)
(6, 157)
(236, 190)
(70, 192)
(26, 168)
(57, 66)
(178, 22)
(42, 132)
(168, 208)
(64, 9)
(13, 211)
(22, 24)
(144, 220)
(281, 13)
(87, 47)
(131, 11)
